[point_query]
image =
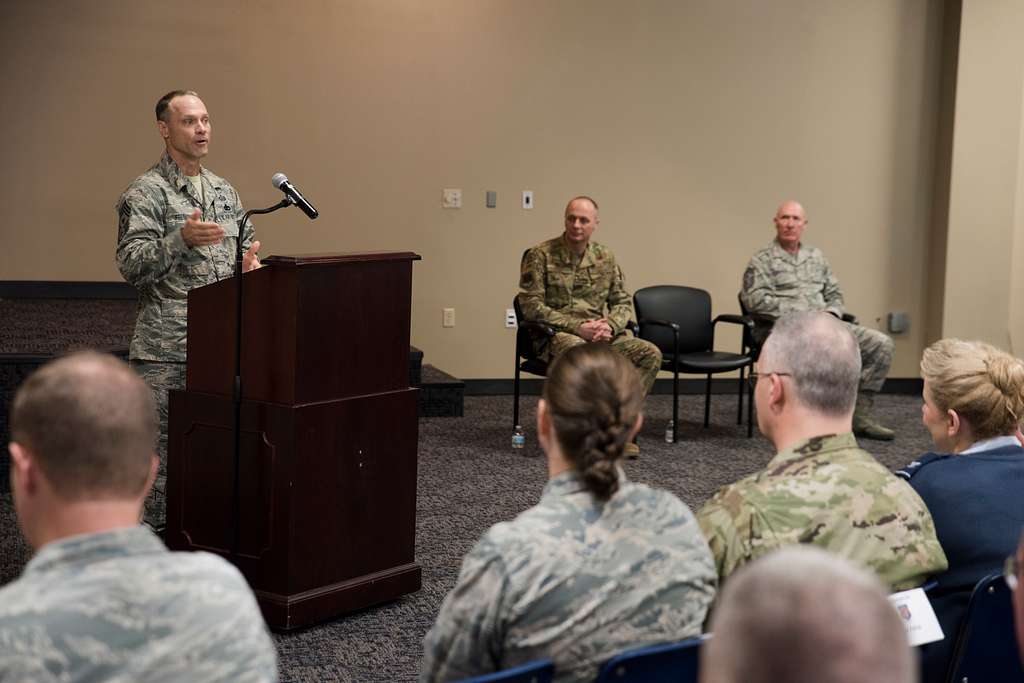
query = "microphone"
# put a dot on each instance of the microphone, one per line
(281, 182)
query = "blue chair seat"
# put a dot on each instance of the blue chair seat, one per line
(668, 663)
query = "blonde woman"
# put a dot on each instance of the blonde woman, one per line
(973, 484)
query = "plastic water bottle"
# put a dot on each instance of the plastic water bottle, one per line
(670, 431)
(518, 438)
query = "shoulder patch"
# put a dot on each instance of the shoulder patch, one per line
(124, 215)
(748, 278)
(916, 466)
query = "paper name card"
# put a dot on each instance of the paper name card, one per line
(918, 616)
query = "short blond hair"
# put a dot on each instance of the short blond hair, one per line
(803, 615)
(90, 421)
(984, 385)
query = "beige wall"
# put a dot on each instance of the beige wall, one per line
(688, 120)
(982, 292)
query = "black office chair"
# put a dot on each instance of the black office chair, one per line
(761, 326)
(678, 321)
(985, 647)
(526, 355)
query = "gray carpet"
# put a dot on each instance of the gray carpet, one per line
(470, 478)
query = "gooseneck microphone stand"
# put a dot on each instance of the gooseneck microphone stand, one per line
(237, 390)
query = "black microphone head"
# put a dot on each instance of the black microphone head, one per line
(278, 180)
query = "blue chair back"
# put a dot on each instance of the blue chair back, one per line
(986, 648)
(541, 671)
(670, 663)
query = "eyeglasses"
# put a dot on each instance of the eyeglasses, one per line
(1011, 569)
(754, 376)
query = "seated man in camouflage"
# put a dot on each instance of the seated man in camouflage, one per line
(575, 286)
(820, 488)
(788, 276)
(103, 599)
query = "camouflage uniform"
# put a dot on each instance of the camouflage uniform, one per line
(828, 492)
(558, 288)
(117, 606)
(777, 282)
(153, 256)
(577, 581)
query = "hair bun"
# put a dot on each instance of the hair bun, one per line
(1006, 374)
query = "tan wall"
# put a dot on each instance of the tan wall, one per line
(689, 121)
(983, 294)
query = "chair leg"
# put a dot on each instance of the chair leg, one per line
(750, 410)
(707, 401)
(675, 403)
(515, 401)
(739, 408)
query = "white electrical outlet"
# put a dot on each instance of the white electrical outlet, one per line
(451, 199)
(510, 317)
(527, 199)
(448, 317)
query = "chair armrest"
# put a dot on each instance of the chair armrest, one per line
(744, 320)
(660, 323)
(537, 326)
(849, 318)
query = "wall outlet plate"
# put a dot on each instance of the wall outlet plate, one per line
(448, 317)
(510, 317)
(527, 199)
(451, 198)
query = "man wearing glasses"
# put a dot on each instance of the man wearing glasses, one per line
(820, 488)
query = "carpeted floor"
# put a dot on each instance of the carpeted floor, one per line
(470, 478)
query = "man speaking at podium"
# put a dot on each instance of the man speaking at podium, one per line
(176, 230)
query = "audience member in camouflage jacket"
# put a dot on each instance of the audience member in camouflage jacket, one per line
(820, 488)
(118, 605)
(103, 599)
(789, 276)
(575, 286)
(828, 492)
(577, 581)
(177, 230)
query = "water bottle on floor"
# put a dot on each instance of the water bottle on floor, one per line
(670, 432)
(518, 438)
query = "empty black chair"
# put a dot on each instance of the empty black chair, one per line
(678, 320)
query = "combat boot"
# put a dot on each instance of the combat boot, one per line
(864, 423)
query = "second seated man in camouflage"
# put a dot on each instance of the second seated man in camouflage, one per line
(789, 276)
(177, 226)
(820, 487)
(575, 286)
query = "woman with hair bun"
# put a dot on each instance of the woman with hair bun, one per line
(600, 565)
(974, 483)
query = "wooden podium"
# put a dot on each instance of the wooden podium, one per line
(329, 426)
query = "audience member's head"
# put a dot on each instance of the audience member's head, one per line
(802, 615)
(83, 431)
(808, 373)
(972, 392)
(590, 409)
